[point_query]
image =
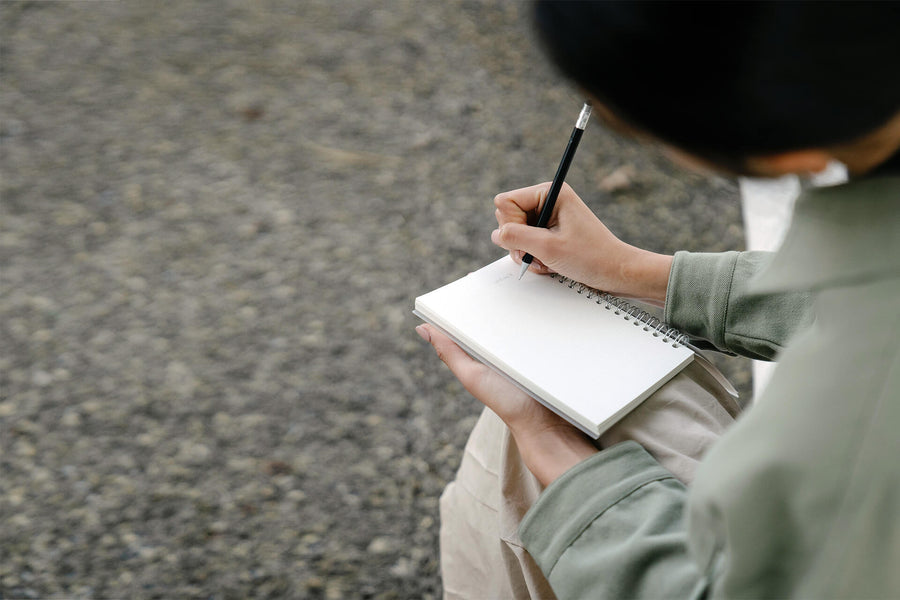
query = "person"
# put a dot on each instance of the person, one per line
(798, 496)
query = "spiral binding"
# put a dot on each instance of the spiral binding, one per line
(629, 311)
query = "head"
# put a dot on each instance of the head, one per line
(748, 87)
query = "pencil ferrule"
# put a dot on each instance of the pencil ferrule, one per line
(582, 121)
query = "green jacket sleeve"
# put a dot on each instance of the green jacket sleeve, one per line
(613, 527)
(710, 296)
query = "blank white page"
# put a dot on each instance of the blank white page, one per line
(573, 354)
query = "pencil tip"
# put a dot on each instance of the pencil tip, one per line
(522, 269)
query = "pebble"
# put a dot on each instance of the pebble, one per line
(70, 418)
(25, 448)
(381, 545)
(620, 179)
(41, 378)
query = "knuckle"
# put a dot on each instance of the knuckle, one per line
(540, 193)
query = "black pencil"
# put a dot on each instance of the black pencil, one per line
(560, 177)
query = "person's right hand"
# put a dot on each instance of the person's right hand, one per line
(578, 245)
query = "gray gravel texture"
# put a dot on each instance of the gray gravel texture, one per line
(215, 218)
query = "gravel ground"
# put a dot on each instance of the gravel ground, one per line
(214, 220)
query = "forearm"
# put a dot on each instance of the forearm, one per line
(645, 275)
(612, 527)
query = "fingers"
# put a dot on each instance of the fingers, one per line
(515, 206)
(515, 236)
(469, 371)
(494, 391)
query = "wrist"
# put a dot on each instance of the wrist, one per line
(645, 275)
(551, 452)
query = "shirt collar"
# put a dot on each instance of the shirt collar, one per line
(839, 235)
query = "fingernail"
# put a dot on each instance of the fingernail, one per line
(423, 333)
(495, 236)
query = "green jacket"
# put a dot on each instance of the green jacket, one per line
(801, 498)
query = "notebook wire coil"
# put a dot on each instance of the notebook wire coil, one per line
(628, 311)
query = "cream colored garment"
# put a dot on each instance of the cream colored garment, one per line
(482, 557)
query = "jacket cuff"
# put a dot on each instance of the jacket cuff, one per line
(581, 495)
(698, 293)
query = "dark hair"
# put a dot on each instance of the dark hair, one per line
(728, 80)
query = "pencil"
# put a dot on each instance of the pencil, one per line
(560, 177)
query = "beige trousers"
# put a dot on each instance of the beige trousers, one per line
(481, 555)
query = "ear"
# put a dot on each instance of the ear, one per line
(798, 162)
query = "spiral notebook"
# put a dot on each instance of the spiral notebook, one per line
(588, 356)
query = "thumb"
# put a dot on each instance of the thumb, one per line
(466, 369)
(516, 236)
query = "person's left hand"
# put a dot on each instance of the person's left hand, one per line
(548, 444)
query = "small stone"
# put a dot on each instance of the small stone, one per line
(16, 496)
(147, 439)
(284, 292)
(9, 239)
(241, 464)
(25, 448)
(195, 453)
(384, 452)
(314, 583)
(334, 590)
(103, 337)
(296, 495)
(41, 474)
(248, 313)
(180, 379)
(91, 406)
(136, 284)
(41, 378)
(222, 421)
(218, 527)
(20, 520)
(620, 179)
(403, 568)
(283, 217)
(380, 545)
(98, 228)
(70, 418)
(247, 230)
(42, 335)
(43, 304)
